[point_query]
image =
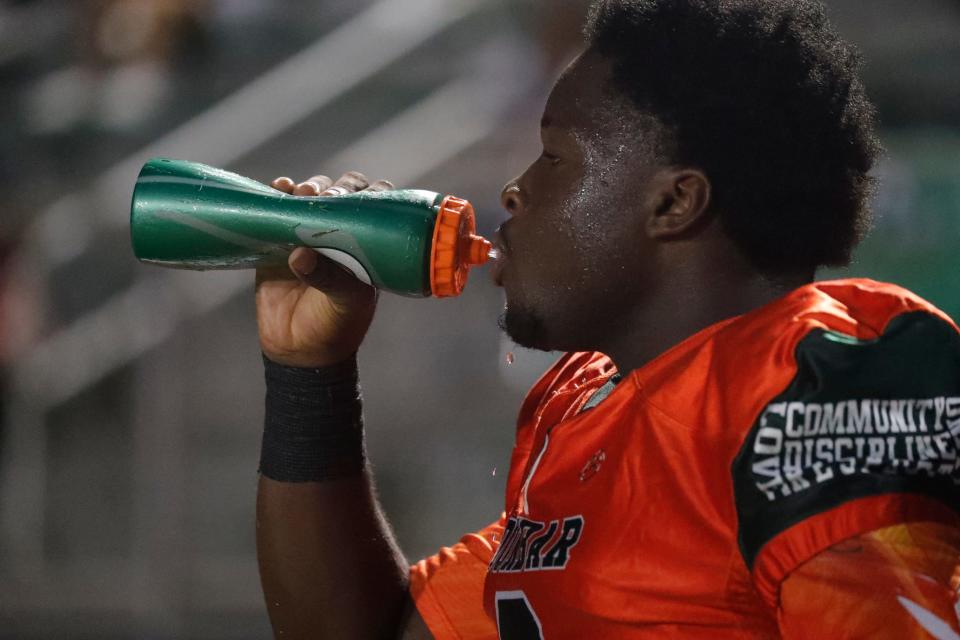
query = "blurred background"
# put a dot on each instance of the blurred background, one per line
(132, 396)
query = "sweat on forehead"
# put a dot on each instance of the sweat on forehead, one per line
(578, 92)
(585, 103)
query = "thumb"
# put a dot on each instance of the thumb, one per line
(324, 274)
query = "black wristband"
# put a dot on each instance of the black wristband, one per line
(313, 424)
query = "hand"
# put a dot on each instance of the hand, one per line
(313, 312)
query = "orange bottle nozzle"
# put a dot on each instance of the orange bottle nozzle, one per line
(456, 247)
(478, 250)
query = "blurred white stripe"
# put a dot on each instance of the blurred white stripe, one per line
(432, 132)
(939, 629)
(143, 316)
(254, 114)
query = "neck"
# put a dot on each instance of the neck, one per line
(695, 297)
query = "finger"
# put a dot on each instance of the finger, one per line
(322, 273)
(274, 272)
(302, 261)
(336, 191)
(284, 184)
(352, 181)
(307, 188)
(381, 185)
(323, 182)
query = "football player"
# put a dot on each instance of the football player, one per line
(729, 449)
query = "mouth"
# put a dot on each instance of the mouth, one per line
(500, 244)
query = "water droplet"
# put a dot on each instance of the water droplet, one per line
(494, 472)
(510, 357)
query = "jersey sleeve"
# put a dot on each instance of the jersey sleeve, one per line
(891, 583)
(865, 436)
(447, 588)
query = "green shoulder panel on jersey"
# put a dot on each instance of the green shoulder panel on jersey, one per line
(860, 418)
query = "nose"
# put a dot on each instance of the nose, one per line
(510, 197)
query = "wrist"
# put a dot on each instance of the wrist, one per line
(290, 373)
(301, 360)
(313, 428)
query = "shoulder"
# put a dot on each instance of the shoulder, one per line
(860, 429)
(857, 308)
(741, 364)
(833, 343)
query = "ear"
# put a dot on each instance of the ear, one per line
(681, 198)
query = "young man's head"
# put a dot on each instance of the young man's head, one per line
(686, 125)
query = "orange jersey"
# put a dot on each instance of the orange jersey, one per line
(675, 504)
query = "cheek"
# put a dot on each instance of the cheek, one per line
(576, 239)
(607, 225)
(547, 235)
(592, 235)
(565, 218)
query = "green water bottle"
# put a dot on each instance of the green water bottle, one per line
(191, 216)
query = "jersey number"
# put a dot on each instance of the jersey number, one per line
(515, 617)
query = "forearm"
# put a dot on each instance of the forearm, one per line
(328, 563)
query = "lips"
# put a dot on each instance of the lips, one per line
(499, 243)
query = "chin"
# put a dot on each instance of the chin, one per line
(525, 328)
